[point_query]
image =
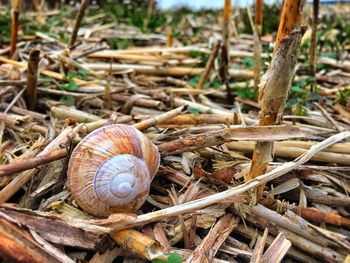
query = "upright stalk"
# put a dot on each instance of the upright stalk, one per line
(316, 5)
(290, 17)
(32, 78)
(275, 84)
(208, 66)
(257, 40)
(16, 5)
(150, 7)
(225, 48)
(83, 5)
(40, 7)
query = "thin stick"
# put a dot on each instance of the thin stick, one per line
(331, 121)
(15, 167)
(160, 118)
(10, 189)
(313, 47)
(251, 20)
(16, 83)
(83, 5)
(208, 66)
(258, 17)
(194, 142)
(39, 7)
(16, 4)
(257, 40)
(169, 37)
(15, 99)
(273, 90)
(225, 49)
(315, 215)
(293, 152)
(32, 78)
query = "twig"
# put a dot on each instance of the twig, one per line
(158, 119)
(8, 169)
(208, 66)
(12, 82)
(262, 133)
(83, 5)
(257, 40)
(313, 47)
(252, 26)
(259, 17)
(169, 37)
(14, 100)
(39, 7)
(318, 216)
(293, 152)
(331, 121)
(10, 189)
(16, 4)
(225, 53)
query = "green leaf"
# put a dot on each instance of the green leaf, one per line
(247, 93)
(298, 90)
(206, 85)
(344, 95)
(300, 110)
(172, 258)
(83, 72)
(72, 74)
(290, 103)
(194, 81)
(248, 62)
(216, 84)
(67, 100)
(195, 54)
(72, 86)
(194, 111)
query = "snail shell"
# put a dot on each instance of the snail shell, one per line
(111, 170)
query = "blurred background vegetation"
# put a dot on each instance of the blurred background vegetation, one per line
(189, 27)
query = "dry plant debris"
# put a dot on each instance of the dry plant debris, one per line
(214, 91)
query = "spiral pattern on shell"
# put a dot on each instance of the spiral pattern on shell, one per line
(111, 170)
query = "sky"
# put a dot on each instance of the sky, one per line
(212, 4)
